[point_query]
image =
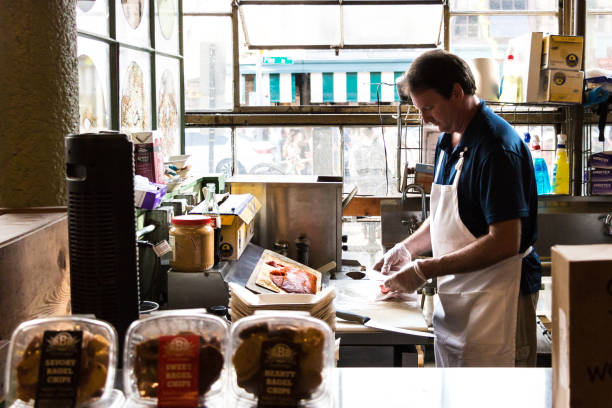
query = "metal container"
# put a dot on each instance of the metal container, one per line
(294, 207)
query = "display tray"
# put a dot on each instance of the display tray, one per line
(260, 281)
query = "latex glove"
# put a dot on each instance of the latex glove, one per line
(408, 279)
(393, 260)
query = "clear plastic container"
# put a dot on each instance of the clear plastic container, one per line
(63, 337)
(178, 332)
(512, 82)
(116, 400)
(281, 358)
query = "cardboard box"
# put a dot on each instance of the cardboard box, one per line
(600, 188)
(148, 200)
(237, 223)
(601, 160)
(561, 86)
(423, 176)
(582, 325)
(599, 175)
(562, 52)
(148, 159)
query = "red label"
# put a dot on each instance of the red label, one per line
(178, 371)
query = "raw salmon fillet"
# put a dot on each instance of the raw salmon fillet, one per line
(293, 280)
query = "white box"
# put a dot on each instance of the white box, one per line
(527, 51)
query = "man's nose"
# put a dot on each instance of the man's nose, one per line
(426, 117)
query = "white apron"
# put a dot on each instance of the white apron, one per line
(475, 315)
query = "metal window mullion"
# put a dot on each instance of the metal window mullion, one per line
(341, 16)
(337, 46)
(446, 10)
(504, 13)
(204, 14)
(337, 2)
(341, 128)
(599, 12)
(181, 79)
(113, 54)
(236, 58)
(234, 155)
(399, 147)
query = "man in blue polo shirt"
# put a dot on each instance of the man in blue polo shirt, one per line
(481, 227)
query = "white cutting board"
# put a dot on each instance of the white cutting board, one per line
(359, 296)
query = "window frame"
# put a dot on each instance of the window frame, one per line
(560, 116)
(116, 45)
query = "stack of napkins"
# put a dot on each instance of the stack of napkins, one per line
(243, 303)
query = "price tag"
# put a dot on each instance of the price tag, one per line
(162, 248)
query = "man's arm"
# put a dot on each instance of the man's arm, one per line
(502, 241)
(419, 242)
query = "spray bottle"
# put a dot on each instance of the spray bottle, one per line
(561, 169)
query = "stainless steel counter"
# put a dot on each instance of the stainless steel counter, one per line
(444, 387)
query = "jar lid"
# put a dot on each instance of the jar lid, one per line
(191, 219)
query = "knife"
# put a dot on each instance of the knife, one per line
(366, 321)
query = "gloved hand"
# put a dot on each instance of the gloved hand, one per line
(408, 279)
(393, 260)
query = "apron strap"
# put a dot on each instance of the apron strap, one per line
(459, 167)
(439, 165)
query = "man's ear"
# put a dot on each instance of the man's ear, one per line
(457, 91)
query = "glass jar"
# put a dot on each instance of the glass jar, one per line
(192, 241)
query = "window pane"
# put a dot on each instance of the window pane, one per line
(210, 150)
(391, 24)
(596, 145)
(288, 151)
(167, 26)
(598, 4)
(132, 18)
(94, 89)
(364, 160)
(168, 107)
(599, 41)
(208, 62)
(480, 5)
(92, 16)
(316, 76)
(292, 25)
(208, 6)
(547, 142)
(135, 90)
(494, 32)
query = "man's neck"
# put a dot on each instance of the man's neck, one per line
(468, 110)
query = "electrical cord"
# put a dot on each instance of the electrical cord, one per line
(382, 129)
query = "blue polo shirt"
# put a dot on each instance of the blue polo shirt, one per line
(497, 183)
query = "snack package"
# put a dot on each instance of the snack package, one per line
(62, 362)
(176, 359)
(281, 359)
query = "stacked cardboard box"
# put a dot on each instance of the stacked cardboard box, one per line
(599, 175)
(582, 325)
(561, 79)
